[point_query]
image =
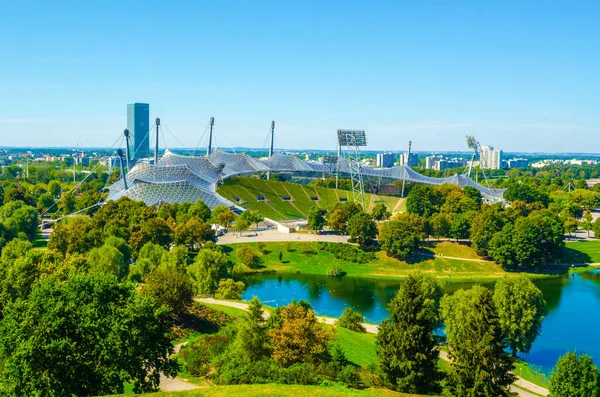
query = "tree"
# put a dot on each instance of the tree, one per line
(247, 255)
(149, 258)
(193, 234)
(521, 308)
(121, 245)
(597, 228)
(75, 235)
(206, 270)
(336, 221)
(171, 287)
(154, 230)
(362, 229)
(200, 211)
(570, 224)
(241, 224)
(222, 215)
(407, 349)
(473, 194)
(316, 221)
(107, 260)
(440, 224)
(575, 376)
(230, 289)
(479, 366)
(380, 212)
(252, 340)
(44, 202)
(483, 228)
(400, 238)
(526, 193)
(351, 320)
(460, 227)
(102, 335)
(54, 188)
(423, 200)
(587, 224)
(297, 336)
(251, 217)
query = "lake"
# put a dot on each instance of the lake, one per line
(573, 303)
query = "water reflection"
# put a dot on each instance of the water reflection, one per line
(573, 304)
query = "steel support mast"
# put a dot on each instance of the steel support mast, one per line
(271, 146)
(209, 147)
(156, 146)
(353, 140)
(404, 169)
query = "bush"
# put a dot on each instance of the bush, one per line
(370, 376)
(290, 247)
(349, 375)
(335, 270)
(247, 256)
(347, 252)
(229, 289)
(307, 248)
(198, 355)
(351, 320)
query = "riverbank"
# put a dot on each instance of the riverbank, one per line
(360, 347)
(450, 261)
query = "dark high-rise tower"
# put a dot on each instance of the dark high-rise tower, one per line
(138, 124)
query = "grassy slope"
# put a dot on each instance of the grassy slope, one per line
(583, 252)
(247, 189)
(279, 390)
(358, 347)
(383, 266)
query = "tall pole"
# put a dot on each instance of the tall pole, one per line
(127, 155)
(271, 146)
(209, 147)
(120, 154)
(406, 163)
(156, 146)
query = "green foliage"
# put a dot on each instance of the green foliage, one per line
(351, 320)
(347, 252)
(587, 222)
(596, 229)
(248, 256)
(149, 258)
(207, 269)
(479, 366)
(107, 260)
(121, 245)
(362, 229)
(252, 339)
(401, 237)
(316, 221)
(423, 200)
(171, 287)
(473, 194)
(153, 230)
(86, 336)
(75, 235)
(20, 220)
(230, 289)
(526, 193)
(335, 270)
(380, 212)
(198, 355)
(521, 308)
(339, 215)
(407, 349)
(251, 216)
(193, 234)
(575, 376)
(483, 228)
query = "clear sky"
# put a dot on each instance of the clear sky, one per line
(519, 75)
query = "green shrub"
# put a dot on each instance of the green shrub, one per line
(335, 270)
(307, 249)
(229, 289)
(198, 355)
(349, 375)
(347, 252)
(351, 320)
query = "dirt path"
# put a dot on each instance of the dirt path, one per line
(277, 236)
(175, 384)
(373, 329)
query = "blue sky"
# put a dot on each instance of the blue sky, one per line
(519, 75)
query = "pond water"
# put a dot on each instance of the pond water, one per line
(573, 302)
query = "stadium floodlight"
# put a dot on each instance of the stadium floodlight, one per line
(354, 138)
(471, 142)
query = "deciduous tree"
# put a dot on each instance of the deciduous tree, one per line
(575, 376)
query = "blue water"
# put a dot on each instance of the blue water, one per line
(573, 302)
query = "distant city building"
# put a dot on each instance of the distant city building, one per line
(411, 161)
(517, 163)
(385, 160)
(491, 158)
(138, 124)
(441, 163)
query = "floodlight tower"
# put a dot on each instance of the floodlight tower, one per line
(209, 147)
(126, 133)
(404, 174)
(120, 154)
(476, 146)
(156, 146)
(353, 140)
(271, 146)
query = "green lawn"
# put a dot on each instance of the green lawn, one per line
(582, 252)
(523, 370)
(359, 347)
(232, 311)
(384, 266)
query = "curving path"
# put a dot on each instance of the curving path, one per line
(522, 384)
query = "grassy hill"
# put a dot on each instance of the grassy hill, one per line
(302, 198)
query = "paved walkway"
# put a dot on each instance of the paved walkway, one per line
(277, 236)
(176, 384)
(373, 329)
